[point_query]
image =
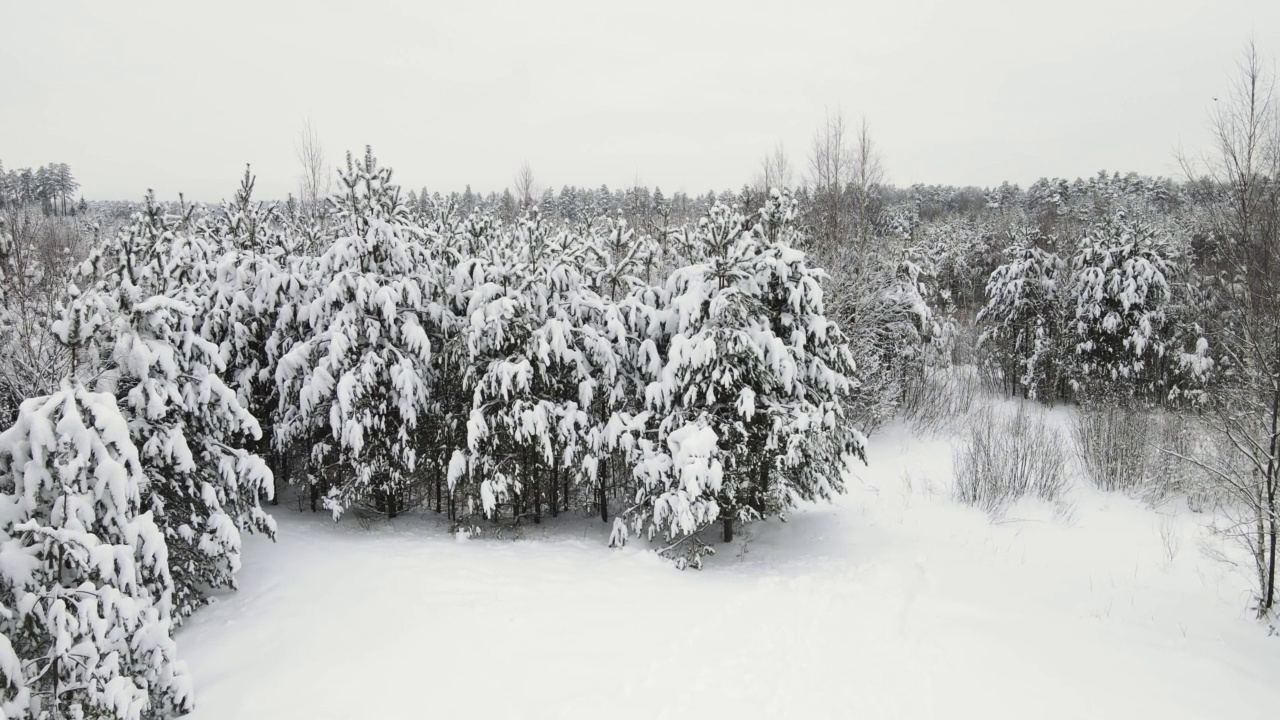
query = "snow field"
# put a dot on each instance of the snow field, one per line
(895, 602)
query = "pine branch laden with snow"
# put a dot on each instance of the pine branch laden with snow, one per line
(86, 598)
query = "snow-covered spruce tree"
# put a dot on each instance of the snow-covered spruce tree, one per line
(746, 403)
(280, 296)
(1122, 293)
(151, 283)
(360, 378)
(1024, 336)
(85, 592)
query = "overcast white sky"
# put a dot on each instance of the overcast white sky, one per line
(680, 94)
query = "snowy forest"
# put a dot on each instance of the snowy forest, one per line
(674, 370)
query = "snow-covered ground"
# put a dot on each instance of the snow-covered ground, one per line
(893, 603)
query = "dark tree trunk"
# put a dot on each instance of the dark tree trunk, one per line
(727, 522)
(1273, 528)
(439, 482)
(537, 502)
(1273, 477)
(274, 463)
(553, 498)
(762, 493)
(315, 496)
(284, 470)
(604, 498)
(392, 509)
(277, 470)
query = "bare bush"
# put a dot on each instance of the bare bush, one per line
(1145, 454)
(36, 253)
(940, 400)
(1177, 437)
(1005, 457)
(1114, 446)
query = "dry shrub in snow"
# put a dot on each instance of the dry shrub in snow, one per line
(1114, 446)
(1007, 456)
(939, 401)
(1176, 439)
(1145, 453)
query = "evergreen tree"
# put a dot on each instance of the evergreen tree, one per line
(363, 369)
(1024, 313)
(1122, 293)
(86, 598)
(749, 385)
(152, 281)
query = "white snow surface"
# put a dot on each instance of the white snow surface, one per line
(894, 602)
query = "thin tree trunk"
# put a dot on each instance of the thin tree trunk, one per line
(537, 502)
(276, 474)
(439, 482)
(518, 502)
(727, 522)
(604, 499)
(284, 468)
(553, 491)
(1268, 598)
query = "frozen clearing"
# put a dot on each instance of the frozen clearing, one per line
(894, 603)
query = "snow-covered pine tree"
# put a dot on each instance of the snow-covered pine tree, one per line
(360, 377)
(748, 383)
(813, 435)
(1122, 293)
(619, 315)
(441, 429)
(151, 282)
(903, 333)
(248, 292)
(527, 364)
(85, 593)
(1024, 337)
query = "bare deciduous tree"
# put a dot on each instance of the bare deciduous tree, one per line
(1244, 331)
(867, 176)
(830, 170)
(314, 183)
(526, 188)
(775, 171)
(846, 174)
